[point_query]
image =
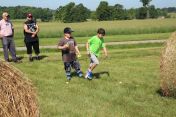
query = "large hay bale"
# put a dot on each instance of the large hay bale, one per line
(17, 96)
(168, 67)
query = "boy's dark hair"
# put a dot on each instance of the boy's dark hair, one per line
(101, 31)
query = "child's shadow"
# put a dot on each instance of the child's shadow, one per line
(98, 75)
(40, 57)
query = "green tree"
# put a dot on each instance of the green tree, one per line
(93, 15)
(146, 6)
(103, 11)
(20, 12)
(141, 13)
(131, 14)
(153, 12)
(79, 13)
(118, 13)
(145, 2)
(72, 13)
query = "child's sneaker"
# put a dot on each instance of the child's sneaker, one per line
(68, 78)
(80, 74)
(88, 75)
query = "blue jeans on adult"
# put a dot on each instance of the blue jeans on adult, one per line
(9, 45)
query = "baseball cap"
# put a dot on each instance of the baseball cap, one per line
(68, 30)
(29, 15)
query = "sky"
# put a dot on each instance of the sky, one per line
(91, 4)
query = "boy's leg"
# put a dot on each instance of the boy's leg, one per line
(93, 63)
(67, 68)
(75, 64)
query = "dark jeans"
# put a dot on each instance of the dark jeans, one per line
(8, 45)
(35, 46)
(73, 64)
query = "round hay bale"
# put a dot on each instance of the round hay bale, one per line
(17, 95)
(168, 67)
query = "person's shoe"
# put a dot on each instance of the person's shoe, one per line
(68, 78)
(80, 74)
(30, 59)
(37, 58)
(8, 60)
(17, 61)
(88, 75)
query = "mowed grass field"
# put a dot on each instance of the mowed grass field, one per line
(129, 30)
(124, 85)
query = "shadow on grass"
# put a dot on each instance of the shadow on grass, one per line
(95, 75)
(159, 91)
(98, 75)
(20, 58)
(40, 57)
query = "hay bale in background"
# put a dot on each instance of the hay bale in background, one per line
(17, 97)
(168, 67)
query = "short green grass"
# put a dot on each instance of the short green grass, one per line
(112, 38)
(130, 89)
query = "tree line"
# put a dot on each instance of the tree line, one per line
(79, 13)
(20, 12)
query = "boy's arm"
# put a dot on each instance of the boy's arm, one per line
(77, 50)
(61, 45)
(105, 50)
(87, 48)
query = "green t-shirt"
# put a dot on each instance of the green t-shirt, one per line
(95, 44)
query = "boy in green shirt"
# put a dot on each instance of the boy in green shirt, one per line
(93, 46)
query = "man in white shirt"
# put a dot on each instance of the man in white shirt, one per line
(6, 35)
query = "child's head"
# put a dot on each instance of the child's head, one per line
(67, 32)
(101, 32)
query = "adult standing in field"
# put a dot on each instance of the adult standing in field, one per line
(93, 46)
(31, 39)
(6, 35)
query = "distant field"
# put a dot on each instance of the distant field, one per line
(87, 29)
(172, 15)
(129, 30)
(111, 38)
(130, 89)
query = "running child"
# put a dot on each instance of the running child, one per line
(93, 46)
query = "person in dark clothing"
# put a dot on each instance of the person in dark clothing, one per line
(70, 50)
(31, 39)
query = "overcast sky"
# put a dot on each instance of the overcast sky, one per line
(91, 4)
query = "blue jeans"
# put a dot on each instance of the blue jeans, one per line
(73, 64)
(8, 45)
